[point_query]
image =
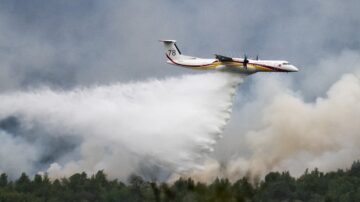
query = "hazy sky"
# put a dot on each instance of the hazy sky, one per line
(80, 43)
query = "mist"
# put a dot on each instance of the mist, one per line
(152, 128)
(289, 133)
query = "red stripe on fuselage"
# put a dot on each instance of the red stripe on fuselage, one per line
(186, 65)
(261, 65)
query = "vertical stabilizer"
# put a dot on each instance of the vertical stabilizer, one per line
(171, 49)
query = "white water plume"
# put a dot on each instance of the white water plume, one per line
(152, 128)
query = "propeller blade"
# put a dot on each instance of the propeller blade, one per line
(246, 61)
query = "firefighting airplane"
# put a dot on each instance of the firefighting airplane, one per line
(223, 63)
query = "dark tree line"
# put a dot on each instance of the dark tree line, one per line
(342, 185)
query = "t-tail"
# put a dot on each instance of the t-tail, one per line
(171, 50)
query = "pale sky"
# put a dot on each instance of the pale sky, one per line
(82, 42)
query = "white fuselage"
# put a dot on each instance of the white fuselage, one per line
(223, 63)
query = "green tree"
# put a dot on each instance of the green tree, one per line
(355, 169)
(137, 188)
(3, 180)
(23, 184)
(243, 190)
(167, 194)
(277, 187)
(76, 188)
(220, 190)
(156, 191)
(312, 186)
(41, 186)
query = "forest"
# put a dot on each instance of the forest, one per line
(340, 185)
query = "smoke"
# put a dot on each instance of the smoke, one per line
(293, 135)
(163, 129)
(296, 134)
(153, 128)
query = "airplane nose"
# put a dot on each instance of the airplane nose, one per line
(292, 68)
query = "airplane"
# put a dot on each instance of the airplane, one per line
(223, 63)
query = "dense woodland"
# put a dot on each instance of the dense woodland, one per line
(342, 185)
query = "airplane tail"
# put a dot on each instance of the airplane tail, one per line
(171, 49)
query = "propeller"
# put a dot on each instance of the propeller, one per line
(246, 61)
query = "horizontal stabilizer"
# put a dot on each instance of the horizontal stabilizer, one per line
(168, 41)
(223, 58)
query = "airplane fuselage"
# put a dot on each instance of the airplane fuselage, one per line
(223, 63)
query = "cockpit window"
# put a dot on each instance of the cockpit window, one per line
(285, 63)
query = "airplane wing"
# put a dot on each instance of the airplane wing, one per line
(222, 58)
